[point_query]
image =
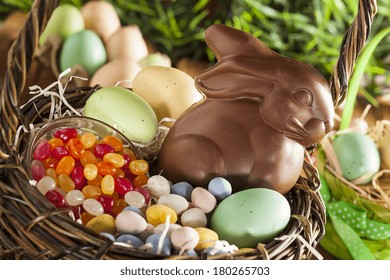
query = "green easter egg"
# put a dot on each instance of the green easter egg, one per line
(123, 109)
(251, 216)
(358, 155)
(84, 48)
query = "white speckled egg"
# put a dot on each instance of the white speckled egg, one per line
(130, 222)
(171, 227)
(168, 90)
(178, 203)
(184, 238)
(194, 217)
(157, 186)
(203, 199)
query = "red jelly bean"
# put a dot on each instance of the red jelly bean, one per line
(123, 185)
(78, 178)
(107, 202)
(50, 163)
(42, 151)
(102, 149)
(76, 148)
(59, 152)
(66, 134)
(56, 198)
(37, 170)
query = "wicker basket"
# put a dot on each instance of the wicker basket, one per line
(31, 228)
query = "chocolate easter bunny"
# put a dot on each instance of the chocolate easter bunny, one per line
(260, 111)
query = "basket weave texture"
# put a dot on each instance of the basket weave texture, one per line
(31, 228)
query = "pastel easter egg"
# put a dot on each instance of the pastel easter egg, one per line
(83, 48)
(158, 214)
(102, 223)
(183, 189)
(122, 108)
(130, 239)
(154, 240)
(168, 90)
(203, 199)
(157, 186)
(162, 227)
(251, 216)
(184, 238)
(207, 238)
(193, 217)
(155, 59)
(130, 222)
(178, 203)
(220, 188)
(358, 156)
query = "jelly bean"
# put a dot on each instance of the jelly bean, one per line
(203, 199)
(97, 181)
(135, 199)
(76, 211)
(106, 168)
(134, 209)
(162, 227)
(116, 159)
(88, 139)
(56, 198)
(194, 217)
(127, 159)
(129, 153)
(220, 188)
(183, 189)
(178, 203)
(130, 240)
(76, 148)
(66, 134)
(165, 249)
(184, 238)
(78, 178)
(88, 157)
(207, 238)
(130, 222)
(93, 206)
(90, 171)
(65, 182)
(114, 142)
(37, 170)
(120, 173)
(139, 167)
(108, 184)
(102, 223)
(145, 193)
(66, 165)
(75, 197)
(119, 205)
(86, 217)
(50, 163)
(55, 142)
(157, 186)
(91, 191)
(52, 173)
(101, 149)
(46, 184)
(107, 202)
(42, 151)
(59, 152)
(140, 181)
(157, 214)
(123, 185)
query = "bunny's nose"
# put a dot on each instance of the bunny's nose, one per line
(317, 130)
(328, 126)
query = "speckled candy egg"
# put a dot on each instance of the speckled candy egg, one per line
(203, 199)
(154, 240)
(194, 217)
(157, 186)
(251, 216)
(178, 203)
(130, 222)
(220, 188)
(358, 156)
(130, 239)
(102, 223)
(184, 238)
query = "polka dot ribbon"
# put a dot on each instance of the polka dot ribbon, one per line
(351, 224)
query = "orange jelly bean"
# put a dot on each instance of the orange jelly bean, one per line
(50, 163)
(88, 139)
(140, 181)
(91, 191)
(116, 159)
(88, 157)
(139, 167)
(52, 173)
(130, 153)
(118, 206)
(86, 217)
(114, 142)
(55, 142)
(106, 168)
(66, 165)
(76, 148)
(97, 181)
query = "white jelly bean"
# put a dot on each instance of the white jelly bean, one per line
(135, 199)
(194, 217)
(178, 203)
(46, 184)
(93, 207)
(75, 197)
(157, 186)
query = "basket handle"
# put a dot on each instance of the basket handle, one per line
(351, 46)
(19, 59)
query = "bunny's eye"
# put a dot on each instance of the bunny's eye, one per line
(304, 97)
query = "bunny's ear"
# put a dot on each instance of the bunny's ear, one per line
(226, 41)
(229, 80)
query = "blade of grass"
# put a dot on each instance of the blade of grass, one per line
(357, 76)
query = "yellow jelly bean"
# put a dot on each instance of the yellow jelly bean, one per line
(108, 184)
(102, 223)
(90, 171)
(65, 182)
(116, 159)
(157, 214)
(207, 238)
(88, 139)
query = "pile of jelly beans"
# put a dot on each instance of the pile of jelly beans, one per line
(109, 190)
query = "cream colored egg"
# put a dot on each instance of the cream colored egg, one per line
(101, 17)
(168, 90)
(127, 42)
(119, 70)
